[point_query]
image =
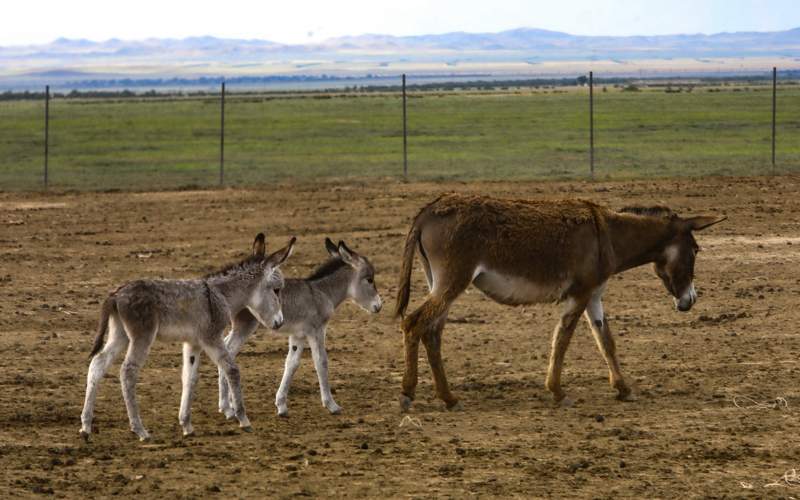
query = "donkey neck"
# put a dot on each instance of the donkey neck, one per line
(235, 288)
(334, 286)
(636, 239)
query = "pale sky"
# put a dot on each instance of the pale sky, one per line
(298, 21)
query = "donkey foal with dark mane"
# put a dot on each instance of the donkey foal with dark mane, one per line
(525, 252)
(308, 305)
(195, 312)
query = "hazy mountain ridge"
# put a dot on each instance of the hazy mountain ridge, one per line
(524, 52)
(550, 44)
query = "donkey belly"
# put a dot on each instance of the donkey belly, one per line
(515, 290)
(178, 332)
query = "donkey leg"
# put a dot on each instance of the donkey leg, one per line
(189, 374)
(233, 343)
(605, 343)
(561, 338)
(426, 324)
(411, 344)
(215, 350)
(290, 367)
(320, 356)
(433, 346)
(138, 349)
(244, 325)
(117, 341)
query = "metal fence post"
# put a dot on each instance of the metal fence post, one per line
(591, 124)
(222, 137)
(46, 134)
(405, 132)
(774, 109)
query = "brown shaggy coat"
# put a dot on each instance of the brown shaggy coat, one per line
(527, 251)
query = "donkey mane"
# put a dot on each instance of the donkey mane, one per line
(235, 267)
(327, 268)
(653, 211)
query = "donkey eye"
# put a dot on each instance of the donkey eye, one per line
(370, 280)
(277, 291)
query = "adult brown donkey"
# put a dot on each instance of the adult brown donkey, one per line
(525, 252)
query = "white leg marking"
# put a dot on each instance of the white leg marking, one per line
(189, 374)
(605, 342)
(594, 310)
(296, 345)
(223, 359)
(233, 343)
(129, 375)
(117, 341)
(317, 343)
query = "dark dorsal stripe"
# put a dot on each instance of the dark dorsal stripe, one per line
(242, 265)
(654, 211)
(327, 268)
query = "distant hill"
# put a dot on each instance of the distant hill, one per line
(554, 45)
(523, 51)
(548, 45)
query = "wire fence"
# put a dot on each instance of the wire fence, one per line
(592, 129)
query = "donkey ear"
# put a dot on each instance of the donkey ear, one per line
(703, 221)
(279, 257)
(260, 245)
(347, 255)
(331, 247)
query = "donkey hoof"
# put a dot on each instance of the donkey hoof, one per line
(405, 403)
(144, 438)
(188, 433)
(84, 436)
(247, 428)
(284, 413)
(455, 406)
(229, 413)
(626, 396)
(334, 409)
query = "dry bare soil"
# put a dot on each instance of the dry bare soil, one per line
(684, 435)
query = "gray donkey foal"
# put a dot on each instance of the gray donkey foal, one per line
(195, 312)
(308, 304)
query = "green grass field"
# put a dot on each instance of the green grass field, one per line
(169, 143)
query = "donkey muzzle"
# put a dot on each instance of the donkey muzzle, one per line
(277, 321)
(687, 299)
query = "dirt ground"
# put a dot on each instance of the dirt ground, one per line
(691, 432)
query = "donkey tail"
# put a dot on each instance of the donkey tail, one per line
(109, 306)
(404, 290)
